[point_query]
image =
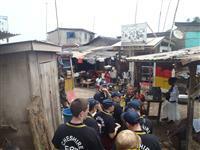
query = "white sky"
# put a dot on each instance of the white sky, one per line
(28, 17)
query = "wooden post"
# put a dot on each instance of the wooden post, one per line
(190, 108)
(154, 74)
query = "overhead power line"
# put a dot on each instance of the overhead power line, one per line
(160, 15)
(166, 14)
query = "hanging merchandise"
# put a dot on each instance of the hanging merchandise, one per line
(101, 59)
(91, 61)
(80, 60)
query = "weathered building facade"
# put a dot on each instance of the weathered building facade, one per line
(70, 36)
(191, 32)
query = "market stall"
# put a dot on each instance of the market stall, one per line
(190, 58)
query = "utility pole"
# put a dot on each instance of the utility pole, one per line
(46, 16)
(136, 8)
(170, 38)
(93, 25)
(57, 23)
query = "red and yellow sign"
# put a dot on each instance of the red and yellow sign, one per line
(161, 78)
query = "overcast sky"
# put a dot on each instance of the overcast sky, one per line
(104, 17)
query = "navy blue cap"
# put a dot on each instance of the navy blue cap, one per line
(131, 117)
(116, 94)
(103, 83)
(107, 103)
(92, 102)
(135, 104)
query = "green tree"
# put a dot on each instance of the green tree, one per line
(196, 20)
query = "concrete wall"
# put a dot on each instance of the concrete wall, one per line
(81, 37)
(14, 98)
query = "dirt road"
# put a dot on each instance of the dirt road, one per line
(84, 92)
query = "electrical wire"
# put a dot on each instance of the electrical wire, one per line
(166, 14)
(160, 15)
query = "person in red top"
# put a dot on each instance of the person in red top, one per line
(107, 77)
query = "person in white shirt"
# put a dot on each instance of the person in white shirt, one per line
(98, 81)
(171, 109)
(113, 75)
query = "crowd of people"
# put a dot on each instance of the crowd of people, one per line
(109, 120)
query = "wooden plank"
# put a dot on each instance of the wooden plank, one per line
(50, 95)
(190, 108)
(34, 79)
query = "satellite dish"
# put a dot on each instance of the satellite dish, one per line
(178, 34)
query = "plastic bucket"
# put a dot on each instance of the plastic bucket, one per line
(67, 114)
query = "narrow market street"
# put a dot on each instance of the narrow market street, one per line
(100, 75)
(161, 129)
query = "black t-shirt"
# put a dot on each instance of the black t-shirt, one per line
(146, 125)
(149, 141)
(106, 121)
(107, 124)
(100, 96)
(91, 122)
(76, 136)
(118, 110)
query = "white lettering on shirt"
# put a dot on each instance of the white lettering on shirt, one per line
(72, 139)
(144, 147)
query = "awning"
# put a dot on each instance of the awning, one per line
(151, 42)
(185, 56)
(97, 52)
(100, 54)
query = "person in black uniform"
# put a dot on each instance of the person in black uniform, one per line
(146, 124)
(102, 93)
(118, 110)
(149, 141)
(74, 134)
(90, 121)
(108, 128)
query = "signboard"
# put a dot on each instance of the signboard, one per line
(134, 34)
(161, 78)
(3, 23)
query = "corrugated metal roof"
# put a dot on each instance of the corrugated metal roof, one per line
(101, 51)
(100, 54)
(77, 29)
(184, 55)
(28, 46)
(151, 42)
